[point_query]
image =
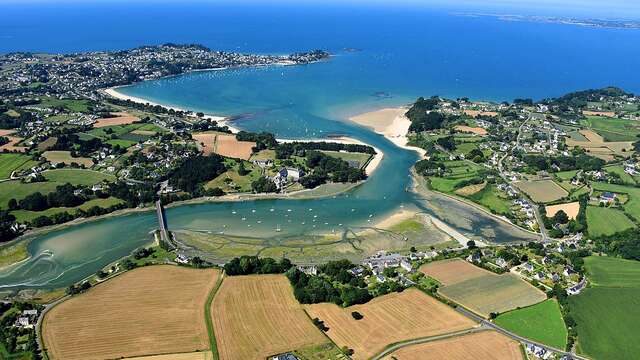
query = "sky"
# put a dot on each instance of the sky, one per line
(606, 9)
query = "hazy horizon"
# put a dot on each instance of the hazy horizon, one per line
(615, 9)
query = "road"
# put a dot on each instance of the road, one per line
(484, 325)
(543, 231)
(513, 336)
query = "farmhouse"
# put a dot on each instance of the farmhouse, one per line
(607, 197)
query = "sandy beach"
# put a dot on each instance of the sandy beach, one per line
(396, 218)
(391, 123)
(221, 120)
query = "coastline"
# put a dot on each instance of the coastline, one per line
(390, 123)
(224, 121)
(372, 165)
(221, 120)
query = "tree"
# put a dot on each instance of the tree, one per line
(471, 244)
(389, 272)
(242, 171)
(13, 204)
(561, 217)
(263, 185)
(356, 315)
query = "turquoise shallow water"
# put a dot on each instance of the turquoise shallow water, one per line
(403, 53)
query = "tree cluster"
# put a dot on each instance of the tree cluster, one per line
(333, 283)
(193, 171)
(263, 140)
(286, 150)
(246, 265)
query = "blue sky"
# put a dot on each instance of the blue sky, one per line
(627, 9)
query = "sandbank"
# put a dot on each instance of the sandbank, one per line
(391, 123)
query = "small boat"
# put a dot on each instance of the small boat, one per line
(278, 228)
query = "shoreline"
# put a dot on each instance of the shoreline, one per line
(224, 121)
(390, 123)
(221, 120)
(372, 165)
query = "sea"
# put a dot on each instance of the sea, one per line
(382, 55)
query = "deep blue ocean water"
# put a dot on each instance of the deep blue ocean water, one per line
(400, 53)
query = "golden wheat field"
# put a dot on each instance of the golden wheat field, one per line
(150, 310)
(480, 290)
(485, 345)
(388, 319)
(449, 272)
(256, 316)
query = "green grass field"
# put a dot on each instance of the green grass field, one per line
(566, 175)
(613, 129)
(604, 221)
(361, 158)
(488, 197)
(18, 190)
(10, 162)
(65, 157)
(69, 105)
(26, 216)
(631, 207)
(541, 322)
(607, 313)
(77, 176)
(613, 272)
(542, 191)
(457, 172)
(618, 169)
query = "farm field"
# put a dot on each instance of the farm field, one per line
(480, 290)
(473, 130)
(449, 272)
(138, 313)
(459, 171)
(603, 221)
(541, 322)
(256, 316)
(488, 197)
(77, 176)
(120, 119)
(388, 319)
(571, 209)
(198, 355)
(68, 104)
(606, 313)
(10, 162)
(542, 191)
(613, 129)
(360, 158)
(631, 207)
(225, 145)
(66, 158)
(485, 345)
(566, 175)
